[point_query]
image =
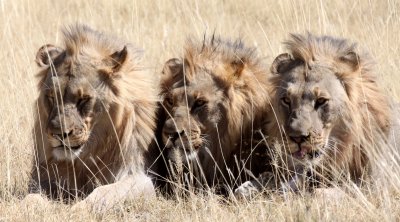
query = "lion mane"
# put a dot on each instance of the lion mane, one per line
(95, 85)
(331, 115)
(231, 81)
(363, 119)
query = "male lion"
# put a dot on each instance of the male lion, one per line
(214, 99)
(330, 109)
(95, 121)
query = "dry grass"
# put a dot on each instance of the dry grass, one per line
(160, 27)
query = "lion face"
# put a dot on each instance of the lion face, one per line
(74, 93)
(71, 104)
(309, 98)
(194, 111)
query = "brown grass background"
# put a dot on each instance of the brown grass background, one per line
(161, 27)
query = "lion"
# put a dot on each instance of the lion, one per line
(331, 111)
(95, 120)
(214, 99)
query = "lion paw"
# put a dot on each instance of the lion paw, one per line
(246, 190)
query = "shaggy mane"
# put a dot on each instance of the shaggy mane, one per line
(250, 90)
(215, 48)
(132, 96)
(240, 73)
(361, 84)
(78, 38)
(308, 48)
(366, 112)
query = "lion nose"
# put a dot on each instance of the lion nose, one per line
(174, 136)
(62, 135)
(299, 139)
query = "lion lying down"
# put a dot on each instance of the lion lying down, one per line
(95, 120)
(331, 114)
(213, 97)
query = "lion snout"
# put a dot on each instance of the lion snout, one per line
(177, 134)
(66, 133)
(174, 136)
(300, 139)
(60, 135)
(172, 131)
(68, 137)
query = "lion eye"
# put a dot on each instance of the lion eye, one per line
(320, 102)
(285, 101)
(51, 99)
(83, 101)
(199, 104)
(169, 101)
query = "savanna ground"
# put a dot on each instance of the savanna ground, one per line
(161, 27)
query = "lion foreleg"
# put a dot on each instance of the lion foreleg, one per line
(269, 181)
(108, 196)
(250, 188)
(294, 184)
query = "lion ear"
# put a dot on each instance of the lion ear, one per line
(118, 59)
(172, 67)
(46, 55)
(352, 60)
(282, 63)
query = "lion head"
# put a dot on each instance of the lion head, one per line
(96, 111)
(213, 97)
(328, 101)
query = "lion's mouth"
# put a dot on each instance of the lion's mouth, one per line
(187, 147)
(69, 147)
(306, 151)
(178, 155)
(182, 149)
(64, 152)
(73, 144)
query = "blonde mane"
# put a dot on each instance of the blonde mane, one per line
(240, 74)
(112, 152)
(367, 102)
(365, 113)
(235, 65)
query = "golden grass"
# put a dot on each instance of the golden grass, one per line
(161, 27)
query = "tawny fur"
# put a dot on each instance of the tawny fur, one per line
(366, 115)
(240, 75)
(114, 151)
(361, 124)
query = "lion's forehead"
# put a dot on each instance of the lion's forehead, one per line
(303, 89)
(76, 86)
(85, 65)
(189, 97)
(54, 84)
(310, 83)
(195, 89)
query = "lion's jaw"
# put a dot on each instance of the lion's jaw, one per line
(182, 137)
(65, 153)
